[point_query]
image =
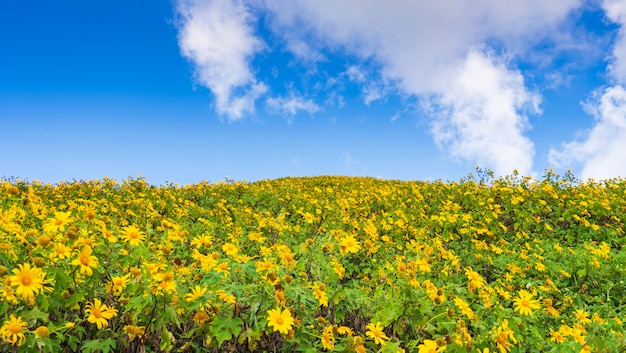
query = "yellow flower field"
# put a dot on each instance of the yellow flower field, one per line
(313, 264)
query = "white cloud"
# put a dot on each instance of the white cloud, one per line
(602, 151)
(616, 12)
(479, 117)
(372, 89)
(291, 105)
(424, 49)
(427, 49)
(217, 37)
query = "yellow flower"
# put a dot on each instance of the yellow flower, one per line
(281, 321)
(42, 331)
(119, 283)
(195, 293)
(320, 294)
(134, 331)
(12, 331)
(99, 313)
(328, 340)
(557, 336)
(465, 308)
(350, 245)
(503, 336)
(86, 261)
(582, 316)
(376, 332)
(60, 220)
(133, 235)
(475, 279)
(525, 303)
(28, 280)
(430, 346)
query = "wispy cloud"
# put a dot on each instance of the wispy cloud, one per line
(218, 38)
(291, 105)
(350, 165)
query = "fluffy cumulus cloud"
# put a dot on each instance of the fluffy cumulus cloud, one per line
(218, 37)
(601, 152)
(437, 51)
(480, 116)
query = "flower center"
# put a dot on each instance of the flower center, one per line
(96, 312)
(58, 222)
(15, 329)
(84, 260)
(525, 303)
(280, 321)
(26, 281)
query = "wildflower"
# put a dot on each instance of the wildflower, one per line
(200, 318)
(430, 346)
(99, 313)
(227, 298)
(344, 330)
(28, 280)
(8, 295)
(503, 337)
(350, 245)
(42, 331)
(230, 249)
(475, 279)
(86, 261)
(376, 332)
(133, 235)
(465, 308)
(582, 316)
(320, 294)
(60, 220)
(60, 251)
(557, 336)
(328, 340)
(134, 331)
(12, 331)
(525, 303)
(195, 293)
(119, 283)
(281, 321)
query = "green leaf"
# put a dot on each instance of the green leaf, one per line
(224, 328)
(105, 346)
(35, 314)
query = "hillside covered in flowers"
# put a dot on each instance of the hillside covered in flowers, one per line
(329, 263)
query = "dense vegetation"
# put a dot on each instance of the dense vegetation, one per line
(308, 264)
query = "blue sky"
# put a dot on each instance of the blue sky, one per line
(189, 90)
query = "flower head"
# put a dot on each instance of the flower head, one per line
(281, 321)
(430, 346)
(503, 337)
(58, 222)
(99, 313)
(28, 280)
(133, 235)
(12, 331)
(350, 245)
(376, 332)
(86, 261)
(525, 303)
